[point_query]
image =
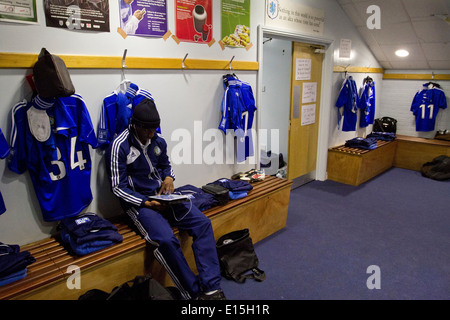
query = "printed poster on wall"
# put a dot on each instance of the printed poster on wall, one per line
(289, 14)
(236, 23)
(143, 17)
(194, 21)
(84, 16)
(22, 11)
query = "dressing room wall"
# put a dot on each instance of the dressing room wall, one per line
(186, 99)
(398, 96)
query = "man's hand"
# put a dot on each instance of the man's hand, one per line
(167, 186)
(154, 205)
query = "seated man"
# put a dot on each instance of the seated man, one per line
(138, 167)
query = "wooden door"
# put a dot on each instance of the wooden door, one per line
(305, 108)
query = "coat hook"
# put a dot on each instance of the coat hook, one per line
(123, 64)
(182, 64)
(231, 62)
(123, 58)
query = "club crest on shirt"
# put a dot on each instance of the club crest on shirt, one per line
(157, 150)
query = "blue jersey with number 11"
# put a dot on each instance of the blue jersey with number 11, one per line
(51, 138)
(425, 107)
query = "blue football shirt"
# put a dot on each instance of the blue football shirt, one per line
(4, 152)
(425, 107)
(59, 164)
(348, 99)
(117, 109)
(238, 111)
(367, 105)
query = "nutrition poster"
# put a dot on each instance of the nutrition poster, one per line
(236, 23)
(143, 17)
(194, 20)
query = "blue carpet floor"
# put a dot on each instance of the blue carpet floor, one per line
(398, 221)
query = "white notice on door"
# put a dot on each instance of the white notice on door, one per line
(303, 69)
(309, 92)
(308, 114)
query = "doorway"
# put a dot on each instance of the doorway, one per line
(303, 140)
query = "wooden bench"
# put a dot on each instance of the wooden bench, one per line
(355, 166)
(413, 152)
(263, 212)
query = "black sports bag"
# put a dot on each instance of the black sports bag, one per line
(51, 76)
(237, 257)
(385, 124)
(140, 288)
(438, 169)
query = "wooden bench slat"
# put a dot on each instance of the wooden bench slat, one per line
(30, 283)
(103, 255)
(40, 245)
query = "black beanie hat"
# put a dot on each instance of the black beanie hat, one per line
(145, 115)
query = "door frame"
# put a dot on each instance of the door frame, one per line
(327, 74)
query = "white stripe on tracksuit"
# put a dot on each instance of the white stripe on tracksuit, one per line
(115, 175)
(133, 213)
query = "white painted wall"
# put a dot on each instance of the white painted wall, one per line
(183, 97)
(396, 103)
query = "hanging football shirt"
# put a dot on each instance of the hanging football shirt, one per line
(367, 104)
(116, 113)
(50, 138)
(238, 110)
(4, 152)
(425, 107)
(348, 98)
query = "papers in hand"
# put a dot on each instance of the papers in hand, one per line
(169, 198)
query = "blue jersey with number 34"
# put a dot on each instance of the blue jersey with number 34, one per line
(59, 163)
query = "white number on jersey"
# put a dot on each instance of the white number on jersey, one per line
(245, 115)
(81, 161)
(423, 107)
(61, 167)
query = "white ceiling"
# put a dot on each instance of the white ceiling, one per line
(420, 26)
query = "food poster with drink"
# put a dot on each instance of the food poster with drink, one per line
(194, 20)
(236, 23)
(143, 17)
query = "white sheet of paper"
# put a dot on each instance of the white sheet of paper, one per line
(308, 114)
(309, 93)
(303, 69)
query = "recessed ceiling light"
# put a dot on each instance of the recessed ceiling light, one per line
(401, 53)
